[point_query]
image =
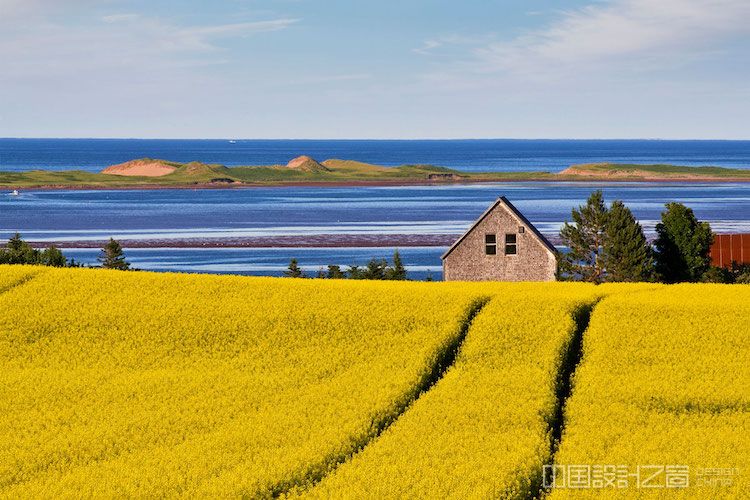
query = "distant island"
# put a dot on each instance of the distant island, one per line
(153, 174)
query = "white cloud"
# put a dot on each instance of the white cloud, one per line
(427, 47)
(11, 10)
(122, 41)
(241, 28)
(351, 77)
(120, 18)
(431, 46)
(624, 30)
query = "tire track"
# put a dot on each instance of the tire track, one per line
(444, 360)
(564, 387)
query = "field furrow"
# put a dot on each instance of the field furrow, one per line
(661, 398)
(141, 384)
(485, 429)
(13, 276)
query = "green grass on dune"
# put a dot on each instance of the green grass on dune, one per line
(342, 171)
(195, 173)
(663, 169)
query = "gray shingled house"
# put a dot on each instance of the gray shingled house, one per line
(501, 246)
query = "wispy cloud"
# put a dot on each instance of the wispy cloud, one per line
(431, 45)
(352, 77)
(642, 30)
(120, 18)
(120, 40)
(427, 47)
(10, 10)
(241, 28)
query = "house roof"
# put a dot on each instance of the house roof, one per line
(503, 200)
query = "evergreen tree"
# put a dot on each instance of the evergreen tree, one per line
(398, 271)
(376, 269)
(355, 273)
(682, 245)
(718, 275)
(112, 256)
(52, 256)
(743, 277)
(18, 251)
(294, 271)
(585, 239)
(335, 273)
(626, 253)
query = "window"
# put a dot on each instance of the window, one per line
(511, 246)
(521, 229)
(490, 244)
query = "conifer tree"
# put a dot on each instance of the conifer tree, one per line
(294, 271)
(375, 269)
(682, 245)
(398, 271)
(17, 251)
(355, 273)
(112, 256)
(53, 257)
(585, 239)
(335, 273)
(627, 254)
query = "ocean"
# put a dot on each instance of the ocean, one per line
(156, 217)
(468, 155)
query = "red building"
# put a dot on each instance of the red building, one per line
(728, 248)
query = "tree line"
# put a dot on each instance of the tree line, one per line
(607, 244)
(376, 269)
(18, 251)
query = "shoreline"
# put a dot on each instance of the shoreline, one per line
(304, 171)
(308, 241)
(382, 183)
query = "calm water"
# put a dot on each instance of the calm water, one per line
(182, 214)
(419, 261)
(468, 155)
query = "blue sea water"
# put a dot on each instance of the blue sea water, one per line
(157, 215)
(467, 155)
(420, 262)
(82, 215)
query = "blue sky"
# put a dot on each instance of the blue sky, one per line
(387, 69)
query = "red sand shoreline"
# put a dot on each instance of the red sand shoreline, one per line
(308, 241)
(384, 183)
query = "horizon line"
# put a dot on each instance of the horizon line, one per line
(353, 139)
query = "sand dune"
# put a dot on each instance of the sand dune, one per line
(141, 168)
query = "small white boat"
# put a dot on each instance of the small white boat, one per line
(14, 192)
(232, 142)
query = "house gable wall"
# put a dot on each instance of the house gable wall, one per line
(467, 261)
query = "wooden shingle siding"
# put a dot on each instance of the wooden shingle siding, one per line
(469, 260)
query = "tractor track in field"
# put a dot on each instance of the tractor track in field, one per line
(19, 282)
(445, 359)
(564, 389)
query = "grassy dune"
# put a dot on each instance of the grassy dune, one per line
(624, 171)
(200, 174)
(335, 172)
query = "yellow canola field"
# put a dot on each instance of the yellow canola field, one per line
(142, 384)
(661, 399)
(483, 431)
(12, 276)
